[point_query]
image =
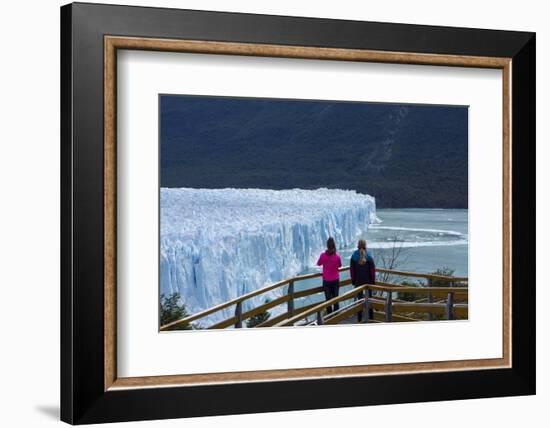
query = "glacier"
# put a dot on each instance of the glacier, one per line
(217, 244)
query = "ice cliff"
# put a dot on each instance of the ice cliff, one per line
(217, 244)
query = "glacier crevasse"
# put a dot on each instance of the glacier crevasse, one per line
(217, 244)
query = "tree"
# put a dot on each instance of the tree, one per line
(408, 297)
(171, 309)
(411, 297)
(443, 271)
(259, 318)
(391, 259)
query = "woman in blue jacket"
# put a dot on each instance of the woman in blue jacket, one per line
(362, 269)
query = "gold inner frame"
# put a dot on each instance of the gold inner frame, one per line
(113, 43)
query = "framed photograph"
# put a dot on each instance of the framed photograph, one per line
(258, 208)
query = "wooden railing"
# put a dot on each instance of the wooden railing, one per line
(388, 305)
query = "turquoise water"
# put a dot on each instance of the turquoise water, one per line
(428, 239)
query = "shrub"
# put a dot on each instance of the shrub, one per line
(259, 318)
(171, 309)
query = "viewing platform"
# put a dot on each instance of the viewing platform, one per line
(439, 297)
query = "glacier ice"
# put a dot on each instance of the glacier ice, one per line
(217, 244)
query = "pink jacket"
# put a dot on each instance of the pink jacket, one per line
(330, 264)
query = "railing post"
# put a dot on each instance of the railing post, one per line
(370, 313)
(430, 300)
(366, 306)
(388, 307)
(320, 318)
(290, 303)
(450, 304)
(239, 315)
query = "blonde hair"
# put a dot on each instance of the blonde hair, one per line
(362, 246)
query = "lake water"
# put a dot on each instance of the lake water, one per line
(428, 239)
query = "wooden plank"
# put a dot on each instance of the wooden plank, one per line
(346, 313)
(268, 305)
(377, 304)
(443, 295)
(228, 322)
(271, 321)
(433, 308)
(419, 306)
(461, 310)
(310, 291)
(248, 314)
(379, 315)
(321, 306)
(424, 275)
(439, 309)
(307, 292)
(384, 286)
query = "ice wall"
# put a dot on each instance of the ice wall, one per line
(217, 244)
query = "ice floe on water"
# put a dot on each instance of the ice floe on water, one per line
(411, 237)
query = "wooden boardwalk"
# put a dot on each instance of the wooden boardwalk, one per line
(439, 297)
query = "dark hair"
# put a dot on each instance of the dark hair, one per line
(331, 246)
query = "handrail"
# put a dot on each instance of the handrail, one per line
(322, 306)
(238, 300)
(384, 286)
(358, 290)
(224, 305)
(423, 275)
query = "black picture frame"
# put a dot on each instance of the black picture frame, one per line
(83, 398)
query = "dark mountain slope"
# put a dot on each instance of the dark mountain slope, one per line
(404, 155)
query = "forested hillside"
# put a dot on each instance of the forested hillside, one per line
(405, 155)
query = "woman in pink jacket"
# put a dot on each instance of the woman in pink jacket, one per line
(330, 261)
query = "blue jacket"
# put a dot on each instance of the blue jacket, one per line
(362, 273)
